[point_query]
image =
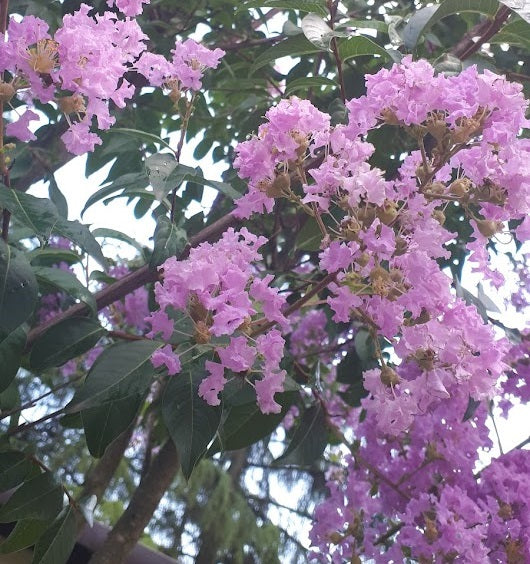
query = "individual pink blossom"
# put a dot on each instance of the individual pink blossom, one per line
(213, 384)
(166, 357)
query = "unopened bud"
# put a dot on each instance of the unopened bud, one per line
(72, 104)
(439, 216)
(7, 91)
(431, 532)
(202, 333)
(460, 187)
(196, 309)
(505, 510)
(388, 212)
(488, 227)
(389, 116)
(363, 260)
(279, 186)
(401, 246)
(389, 376)
(435, 187)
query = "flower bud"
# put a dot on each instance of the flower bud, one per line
(279, 186)
(7, 91)
(388, 212)
(488, 227)
(401, 246)
(431, 532)
(439, 216)
(389, 376)
(435, 188)
(460, 187)
(71, 104)
(202, 333)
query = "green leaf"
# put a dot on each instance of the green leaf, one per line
(122, 370)
(290, 47)
(57, 542)
(317, 6)
(24, 535)
(169, 241)
(191, 422)
(245, 424)
(378, 25)
(309, 439)
(108, 233)
(18, 288)
(104, 423)
(360, 45)
(65, 340)
(64, 281)
(424, 19)
(49, 256)
(42, 217)
(143, 136)
(309, 237)
(14, 467)
(158, 168)
(308, 82)
(38, 498)
(57, 197)
(129, 180)
(222, 187)
(317, 31)
(472, 406)
(11, 351)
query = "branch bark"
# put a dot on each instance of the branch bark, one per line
(484, 31)
(145, 500)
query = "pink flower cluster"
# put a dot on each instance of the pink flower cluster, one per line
(82, 69)
(221, 294)
(128, 7)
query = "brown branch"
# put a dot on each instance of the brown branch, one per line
(484, 31)
(130, 526)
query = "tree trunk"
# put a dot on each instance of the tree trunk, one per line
(130, 526)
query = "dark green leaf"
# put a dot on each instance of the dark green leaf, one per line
(317, 6)
(290, 47)
(307, 83)
(122, 370)
(57, 197)
(360, 45)
(129, 180)
(49, 256)
(143, 136)
(309, 439)
(14, 467)
(108, 233)
(169, 241)
(42, 217)
(191, 422)
(64, 341)
(424, 19)
(18, 288)
(11, 351)
(310, 236)
(38, 498)
(472, 406)
(64, 281)
(104, 423)
(57, 542)
(24, 535)
(245, 424)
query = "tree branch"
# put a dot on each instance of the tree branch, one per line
(484, 31)
(130, 526)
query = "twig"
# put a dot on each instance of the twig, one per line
(484, 30)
